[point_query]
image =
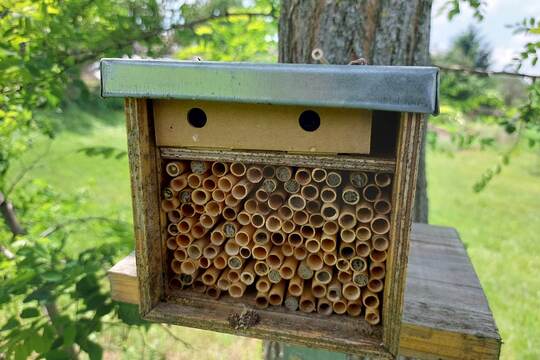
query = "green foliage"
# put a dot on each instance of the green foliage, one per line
(453, 8)
(531, 51)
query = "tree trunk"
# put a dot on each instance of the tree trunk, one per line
(384, 32)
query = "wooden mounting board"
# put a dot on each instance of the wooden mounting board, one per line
(446, 313)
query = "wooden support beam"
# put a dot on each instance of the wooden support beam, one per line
(446, 313)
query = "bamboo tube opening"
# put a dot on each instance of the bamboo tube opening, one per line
(175, 168)
(377, 270)
(377, 256)
(330, 228)
(371, 192)
(269, 185)
(318, 175)
(254, 174)
(342, 264)
(283, 173)
(344, 276)
(313, 207)
(223, 281)
(236, 290)
(296, 202)
(346, 250)
(171, 243)
(358, 264)
(200, 196)
(324, 307)
(333, 292)
(168, 193)
(250, 206)
(194, 181)
(277, 238)
(295, 239)
(288, 268)
(174, 215)
(230, 228)
(360, 278)
(211, 251)
(238, 169)
(183, 240)
(260, 251)
(363, 233)
(204, 263)
(382, 206)
(218, 195)
(212, 208)
(244, 235)
(347, 235)
(351, 291)
(262, 285)
(315, 261)
(170, 204)
(291, 186)
(364, 212)
(380, 224)
(199, 209)
(328, 194)
(288, 226)
(187, 279)
(179, 182)
(354, 308)
(257, 220)
(261, 268)
(219, 168)
(330, 258)
(347, 218)
(383, 179)
(350, 195)
(296, 286)
(175, 284)
(285, 212)
(318, 290)
(375, 285)
(273, 223)
(287, 249)
(232, 248)
(380, 242)
(227, 182)
(235, 262)
(268, 171)
(243, 218)
(276, 293)
(213, 292)
(307, 300)
(199, 167)
(208, 221)
(339, 307)
(300, 253)
(261, 300)
(324, 276)
(291, 303)
(263, 208)
(245, 252)
(185, 196)
(217, 237)
(233, 275)
(312, 245)
(304, 271)
(247, 276)
(275, 258)
(363, 249)
(261, 236)
(316, 220)
(261, 195)
(369, 299)
(198, 231)
(358, 179)
(276, 200)
(198, 285)
(307, 231)
(189, 266)
(241, 189)
(333, 179)
(210, 183)
(300, 217)
(372, 316)
(172, 229)
(220, 261)
(329, 211)
(176, 266)
(274, 276)
(195, 250)
(302, 176)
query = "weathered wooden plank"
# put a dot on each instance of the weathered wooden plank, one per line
(441, 319)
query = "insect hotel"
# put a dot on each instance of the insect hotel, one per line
(274, 201)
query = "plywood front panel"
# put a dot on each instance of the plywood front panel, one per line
(262, 127)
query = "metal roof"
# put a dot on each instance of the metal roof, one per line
(392, 88)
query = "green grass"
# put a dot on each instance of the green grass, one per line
(500, 227)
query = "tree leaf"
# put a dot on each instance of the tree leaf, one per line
(30, 313)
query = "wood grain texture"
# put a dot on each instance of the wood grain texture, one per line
(144, 170)
(341, 162)
(409, 140)
(446, 314)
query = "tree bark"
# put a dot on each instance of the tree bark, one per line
(384, 32)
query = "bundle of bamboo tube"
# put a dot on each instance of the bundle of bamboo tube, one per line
(309, 239)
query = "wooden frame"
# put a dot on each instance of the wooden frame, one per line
(145, 167)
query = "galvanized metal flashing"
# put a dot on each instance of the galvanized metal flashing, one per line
(391, 88)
